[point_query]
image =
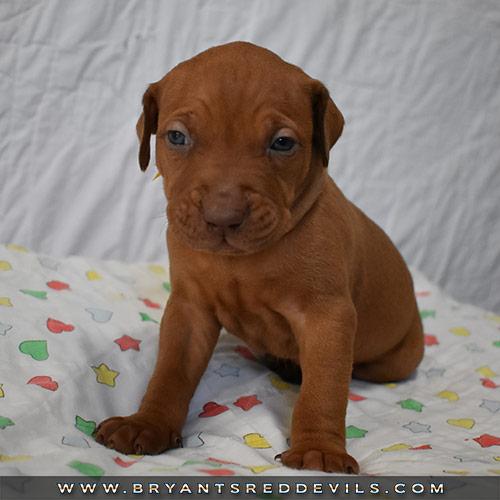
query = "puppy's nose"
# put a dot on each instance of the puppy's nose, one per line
(225, 219)
(224, 209)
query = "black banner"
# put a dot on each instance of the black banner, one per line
(285, 487)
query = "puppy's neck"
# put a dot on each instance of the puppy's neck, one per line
(309, 192)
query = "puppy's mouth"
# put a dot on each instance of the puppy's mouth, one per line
(224, 247)
(235, 230)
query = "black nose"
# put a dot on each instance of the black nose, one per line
(224, 218)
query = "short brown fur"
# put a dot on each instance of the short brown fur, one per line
(263, 243)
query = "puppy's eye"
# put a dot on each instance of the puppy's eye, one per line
(177, 138)
(283, 144)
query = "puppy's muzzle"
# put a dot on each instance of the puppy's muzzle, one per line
(224, 212)
(219, 219)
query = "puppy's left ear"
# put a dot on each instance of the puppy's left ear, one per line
(328, 121)
(147, 125)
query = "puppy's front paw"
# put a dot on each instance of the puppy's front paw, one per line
(327, 461)
(139, 434)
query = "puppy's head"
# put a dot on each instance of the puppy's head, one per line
(242, 139)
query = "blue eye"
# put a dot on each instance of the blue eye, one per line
(283, 144)
(177, 138)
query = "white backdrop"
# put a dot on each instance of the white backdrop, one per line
(417, 82)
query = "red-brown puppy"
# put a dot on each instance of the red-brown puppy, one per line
(262, 242)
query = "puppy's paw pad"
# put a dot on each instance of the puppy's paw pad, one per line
(137, 434)
(327, 461)
(341, 463)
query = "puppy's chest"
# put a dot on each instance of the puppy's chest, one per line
(256, 320)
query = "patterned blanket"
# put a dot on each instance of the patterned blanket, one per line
(78, 340)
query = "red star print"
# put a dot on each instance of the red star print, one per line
(486, 440)
(125, 342)
(247, 402)
(430, 339)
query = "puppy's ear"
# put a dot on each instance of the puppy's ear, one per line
(328, 121)
(147, 125)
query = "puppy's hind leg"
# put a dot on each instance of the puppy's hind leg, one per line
(399, 362)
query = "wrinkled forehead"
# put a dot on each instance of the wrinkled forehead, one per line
(235, 84)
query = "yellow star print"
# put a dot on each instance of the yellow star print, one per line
(257, 469)
(6, 458)
(105, 375)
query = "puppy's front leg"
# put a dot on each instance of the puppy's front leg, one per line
(187, 339)
(325, 336)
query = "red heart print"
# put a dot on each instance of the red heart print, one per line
(122, 463)
(151, 304)
(245, 352)
(45, 382)
(57, 285)
(489, 383)
(218, 472)
(56, 326)
(212, 409)
(356, 397)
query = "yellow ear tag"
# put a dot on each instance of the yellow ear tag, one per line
(156, 176)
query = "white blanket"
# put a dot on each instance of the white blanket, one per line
(78, 341)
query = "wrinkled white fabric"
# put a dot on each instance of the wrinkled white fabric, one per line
(417, 82)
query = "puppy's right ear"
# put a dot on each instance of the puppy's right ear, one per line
(147, 125)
